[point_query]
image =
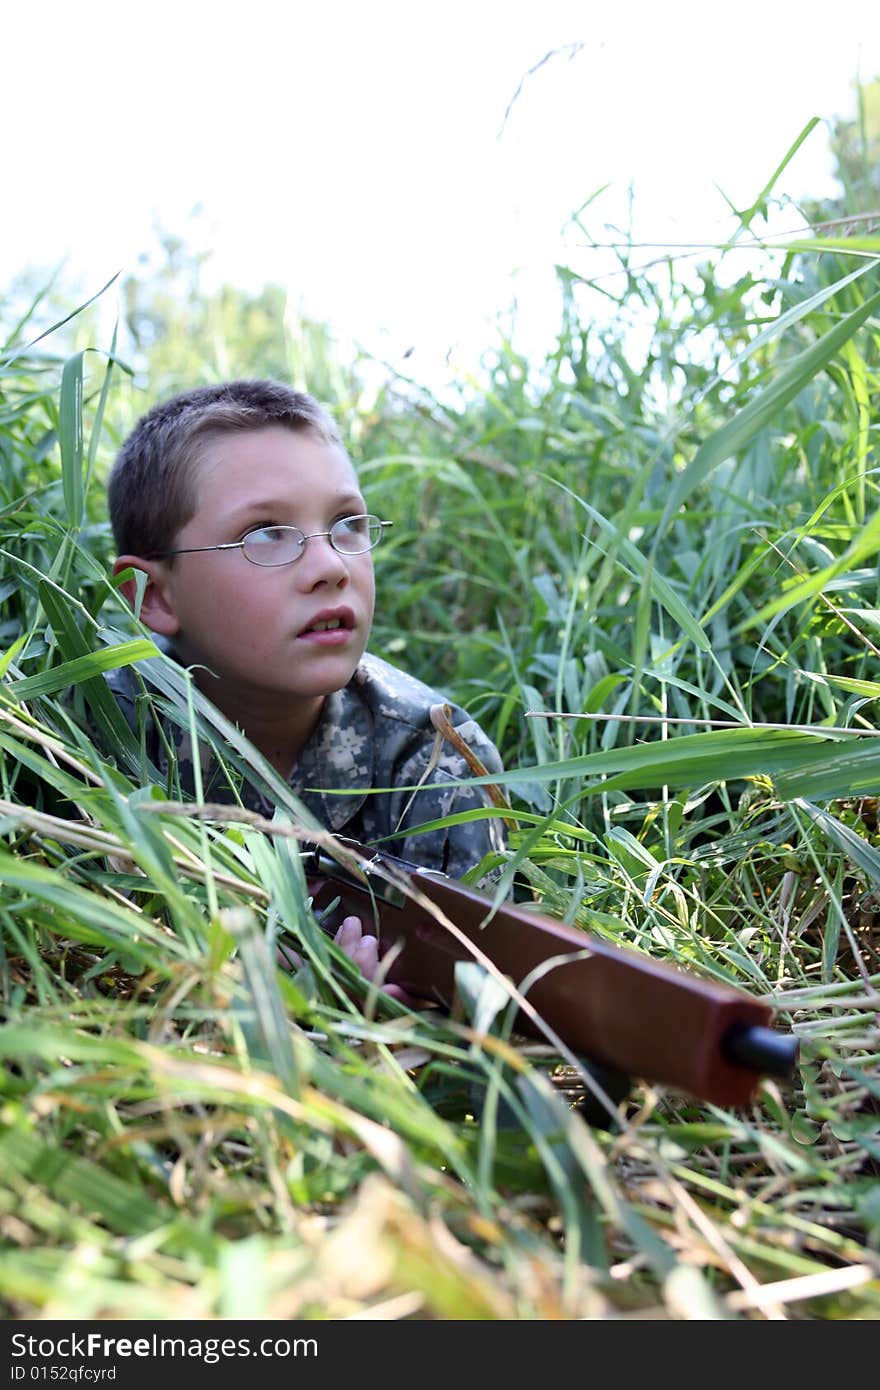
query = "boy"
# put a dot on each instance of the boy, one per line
(241, 508)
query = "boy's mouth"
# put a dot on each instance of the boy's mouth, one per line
(336, 621)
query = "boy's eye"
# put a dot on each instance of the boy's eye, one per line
(279, 545)
(273, 545)
(272, 535)
(351, 526)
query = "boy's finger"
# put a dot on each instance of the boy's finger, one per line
(366, 956)
(349, 934)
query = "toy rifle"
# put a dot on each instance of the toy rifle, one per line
(610, 1005)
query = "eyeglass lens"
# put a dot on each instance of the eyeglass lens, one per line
(279, 545)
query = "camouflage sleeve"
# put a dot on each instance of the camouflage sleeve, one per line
(436, 767)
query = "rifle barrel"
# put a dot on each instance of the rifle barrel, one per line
(609, 1003)
(761, 1049)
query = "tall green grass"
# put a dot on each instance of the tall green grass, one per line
(188, 1131)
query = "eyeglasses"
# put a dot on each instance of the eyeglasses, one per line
(281, 545)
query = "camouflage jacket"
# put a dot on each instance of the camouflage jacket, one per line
(374, 733)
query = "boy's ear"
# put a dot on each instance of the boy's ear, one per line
(150, 584)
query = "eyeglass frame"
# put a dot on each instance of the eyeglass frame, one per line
(315, 535)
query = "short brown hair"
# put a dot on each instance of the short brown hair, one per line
(151, 490)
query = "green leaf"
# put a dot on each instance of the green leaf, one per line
(762, 409)
(70, 438)
(270, 1033)
(658, 587)
(82, 668)
(692, 760)
(853, 771)
(854, 846)
(95, 689)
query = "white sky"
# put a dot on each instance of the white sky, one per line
(355, 151)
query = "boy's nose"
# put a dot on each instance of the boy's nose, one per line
(321, 563)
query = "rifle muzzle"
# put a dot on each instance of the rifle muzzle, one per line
(761, 1049)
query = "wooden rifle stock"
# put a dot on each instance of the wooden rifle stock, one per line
(607, 1003)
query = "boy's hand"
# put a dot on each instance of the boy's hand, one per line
(363, 949)
(360, 947)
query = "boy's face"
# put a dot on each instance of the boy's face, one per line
(251, 624)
